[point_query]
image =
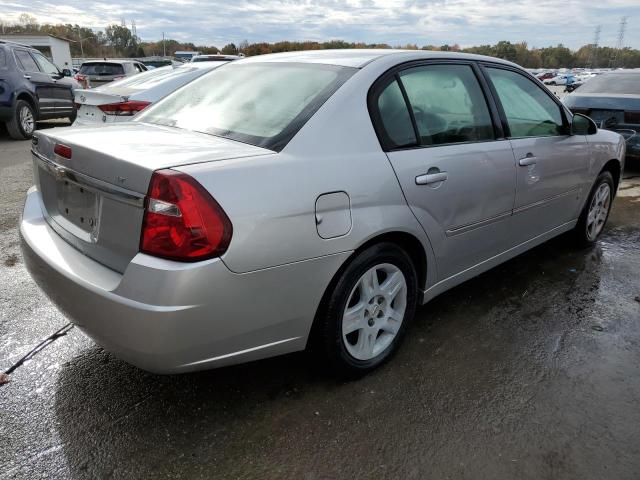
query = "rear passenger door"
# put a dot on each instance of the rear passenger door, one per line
(551, 164)
(456, 170)
(43, 83)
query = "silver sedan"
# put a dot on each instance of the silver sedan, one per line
(306, 200)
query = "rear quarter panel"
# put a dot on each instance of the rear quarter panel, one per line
(271, 200)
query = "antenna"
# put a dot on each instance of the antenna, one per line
(615, 59)
(593, 59)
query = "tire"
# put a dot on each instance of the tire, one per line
(18, 125)
(373, 341)
(596, 211)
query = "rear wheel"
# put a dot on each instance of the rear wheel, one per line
(23, 122)
(596, 211)
(367, 313)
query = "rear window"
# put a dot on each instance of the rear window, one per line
(621, 83)
(263, 104)
(102, 69)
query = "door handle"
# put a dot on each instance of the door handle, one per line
(28, 77)
(528, 160)
(429, 178)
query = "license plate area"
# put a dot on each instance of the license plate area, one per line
(77, 206)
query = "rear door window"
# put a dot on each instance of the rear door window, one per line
(395, 119)
(102, 69)
(529, 110)
(26, 61)
(448, 104)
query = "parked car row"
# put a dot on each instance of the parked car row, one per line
(306, 200)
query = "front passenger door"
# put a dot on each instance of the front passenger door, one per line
(551, 164)
(62, 92)
(43, 83)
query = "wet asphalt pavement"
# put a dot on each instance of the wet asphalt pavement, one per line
(530, 371)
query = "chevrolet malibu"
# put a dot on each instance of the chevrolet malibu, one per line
(306, 200)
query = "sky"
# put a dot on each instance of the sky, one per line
(396, 22)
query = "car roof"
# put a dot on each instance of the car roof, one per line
(108, 60)
(358, 58)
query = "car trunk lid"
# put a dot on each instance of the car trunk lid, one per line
(95, 198)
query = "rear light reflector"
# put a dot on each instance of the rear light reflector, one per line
(62, 150)
(632, 117)
(124, 108)
(182, 221)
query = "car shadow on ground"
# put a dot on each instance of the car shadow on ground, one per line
(107, 409)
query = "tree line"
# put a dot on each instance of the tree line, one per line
(120, 41)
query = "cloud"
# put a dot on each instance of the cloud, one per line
(467, 22)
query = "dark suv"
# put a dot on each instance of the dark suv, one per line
(30, 90)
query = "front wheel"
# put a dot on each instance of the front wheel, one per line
(367, 313)
(596, 211)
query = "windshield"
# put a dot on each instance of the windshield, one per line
(102, 69)
(621, 83)
(263, 104)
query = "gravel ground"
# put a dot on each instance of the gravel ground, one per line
(529, 371)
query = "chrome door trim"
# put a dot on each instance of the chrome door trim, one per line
(112, 191)
(544, 201)
(472, 226)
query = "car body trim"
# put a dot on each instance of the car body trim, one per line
(113, 191)
(544, 201)
(240, 352)
(472, 226)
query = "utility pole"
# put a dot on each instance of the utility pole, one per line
(615, 59)
(164, 47)
(593, 59)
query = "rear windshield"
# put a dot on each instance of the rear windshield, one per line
(621, 83)
(102, 69)
(263, 104)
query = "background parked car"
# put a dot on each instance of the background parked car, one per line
(119, 101)
(612, 100)
(216, 58)
(31, 89)
(563, 79)
(98, 72)
(545, 76)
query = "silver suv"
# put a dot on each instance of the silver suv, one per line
(94, 73)
(308, 199)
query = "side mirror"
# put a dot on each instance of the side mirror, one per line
(583, 125)
(66, 72)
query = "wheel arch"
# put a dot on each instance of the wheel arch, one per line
(613, 166)
(405, 240)
(27, 97)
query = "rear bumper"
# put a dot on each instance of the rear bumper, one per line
(170, 317)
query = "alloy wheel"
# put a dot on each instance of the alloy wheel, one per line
(27, 121)
(374, 311)
(598, 211)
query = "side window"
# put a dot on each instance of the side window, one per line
(529, 110)
(448, 104)
(142, 67)
(395, 118)
(26, 61)
(45, 65)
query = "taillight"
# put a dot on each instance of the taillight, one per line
(124, 108)
(182, 221)
(632, 117)
(62, 150)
